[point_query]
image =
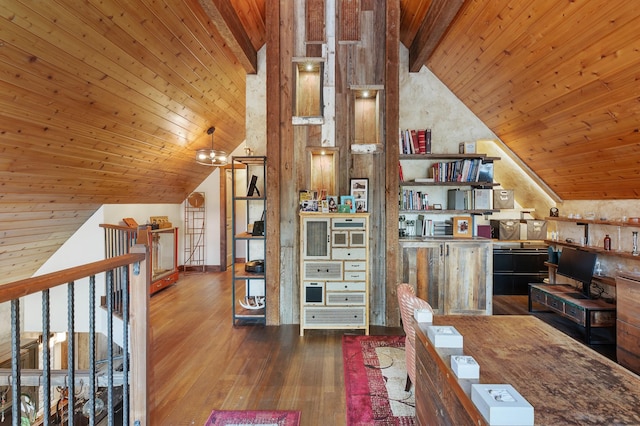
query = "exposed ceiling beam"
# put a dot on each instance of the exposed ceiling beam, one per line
(439, 16)
(225, 19)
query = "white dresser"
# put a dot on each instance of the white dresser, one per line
(334, 271)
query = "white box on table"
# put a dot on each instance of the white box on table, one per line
(444, 336)
(465, 367)
(423, 315)
(501, 404)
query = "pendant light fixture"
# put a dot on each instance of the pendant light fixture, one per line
(211, 157)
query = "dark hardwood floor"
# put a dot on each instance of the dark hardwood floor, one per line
(201, 361)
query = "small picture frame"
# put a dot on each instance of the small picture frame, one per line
(348, 200)
(437, 207)
(462, 227)
(359, 188)
(332, 202)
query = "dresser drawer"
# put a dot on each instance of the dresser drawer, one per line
(352, 316)
(349, 253)
(355, 275)
(555, 303)
(345, 298)
(576, 313)
(322, 270)
(538, 296)
(346, 286)
(355, 265)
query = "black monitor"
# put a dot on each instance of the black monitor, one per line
(577, 265)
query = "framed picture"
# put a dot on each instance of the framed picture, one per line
(360, 193)
(462, 226)
(437, 206)
(347, 200)
(332, 201)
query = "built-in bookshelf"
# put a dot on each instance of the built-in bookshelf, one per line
(443, 184)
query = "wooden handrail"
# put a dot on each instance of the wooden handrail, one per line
(32, 285)
(137, 262)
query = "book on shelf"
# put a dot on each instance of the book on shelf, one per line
(485, 172)
(415, 141)
(414, 200)
(466, 170)
(415, 148)
(482, 199)
(422, 141)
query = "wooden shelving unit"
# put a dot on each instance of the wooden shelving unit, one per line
(248, 288)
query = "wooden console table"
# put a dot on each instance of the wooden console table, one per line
(570, 303)
(565, 381)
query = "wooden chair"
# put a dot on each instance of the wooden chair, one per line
(408, 301)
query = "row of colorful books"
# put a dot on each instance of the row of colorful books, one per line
(415, 141)
(468, 170)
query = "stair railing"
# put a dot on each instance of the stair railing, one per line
(135, 351)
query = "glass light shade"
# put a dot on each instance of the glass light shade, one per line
(211, 157)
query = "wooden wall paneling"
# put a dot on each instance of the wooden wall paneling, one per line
(348, 26)
(315, 21)
(391, 126)
(278, 69)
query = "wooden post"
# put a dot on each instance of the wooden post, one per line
(139, 379)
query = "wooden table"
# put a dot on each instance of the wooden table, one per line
(566, 382)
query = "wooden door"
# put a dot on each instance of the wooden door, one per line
(468, 286)
(423, 268)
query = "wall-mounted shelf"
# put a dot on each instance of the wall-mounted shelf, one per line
(595, 222)
(447, 183)
(308, 90)
(449, 212)
(594, 249)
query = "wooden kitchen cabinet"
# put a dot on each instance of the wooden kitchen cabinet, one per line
(455, 276)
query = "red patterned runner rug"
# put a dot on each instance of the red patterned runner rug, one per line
(271, 418)
(375, 375)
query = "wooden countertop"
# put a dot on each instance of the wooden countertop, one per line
(564, 380)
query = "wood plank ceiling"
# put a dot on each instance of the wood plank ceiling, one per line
(105, 101)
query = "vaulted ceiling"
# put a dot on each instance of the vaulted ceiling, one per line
(105, 101)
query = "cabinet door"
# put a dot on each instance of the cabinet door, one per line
(468, 288)
(316, 238)
(423, 268)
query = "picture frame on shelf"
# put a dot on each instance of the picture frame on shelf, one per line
(437, 207)
(332, 202)
(462, 226)
(347, 200)
(359, 190)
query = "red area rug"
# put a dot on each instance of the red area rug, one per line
(274, 418)
(374, 376)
